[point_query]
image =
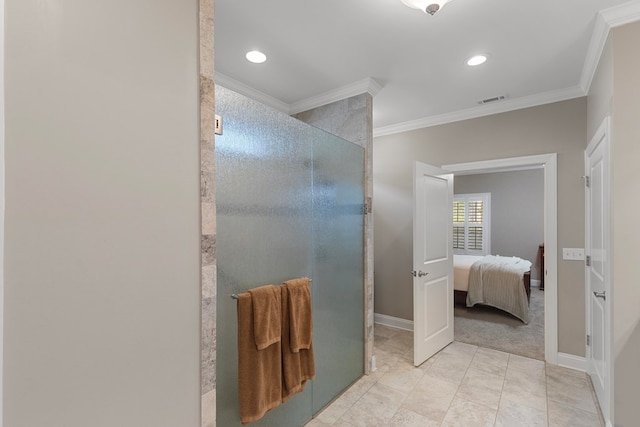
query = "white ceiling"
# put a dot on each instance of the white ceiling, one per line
(321, 50)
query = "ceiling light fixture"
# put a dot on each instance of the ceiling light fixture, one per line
(256, 57)
(476, 60)
(427, 6)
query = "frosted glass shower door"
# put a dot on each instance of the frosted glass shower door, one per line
(289, 203)
(338, 296)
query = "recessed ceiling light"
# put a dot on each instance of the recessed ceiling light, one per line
(256, 57)
(476, 60)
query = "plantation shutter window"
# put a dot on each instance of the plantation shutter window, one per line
(471, 224)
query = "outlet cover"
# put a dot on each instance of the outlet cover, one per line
(573, 254)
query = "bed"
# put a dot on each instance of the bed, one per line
(497, 281)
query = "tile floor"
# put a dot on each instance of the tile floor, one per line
(462, 385)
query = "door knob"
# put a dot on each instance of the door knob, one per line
(418, 273)
(600, 295)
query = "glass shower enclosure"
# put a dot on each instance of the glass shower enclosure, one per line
(289, 204)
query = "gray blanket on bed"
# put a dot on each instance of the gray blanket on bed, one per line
(498, 281)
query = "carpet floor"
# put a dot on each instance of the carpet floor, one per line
(492, 328)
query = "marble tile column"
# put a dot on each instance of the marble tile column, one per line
(208, 217)
(352, 119)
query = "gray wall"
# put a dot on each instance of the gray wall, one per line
(102, 256)
(517, 211)
(615, 91)
(552, 128)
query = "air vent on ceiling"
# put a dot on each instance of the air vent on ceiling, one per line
(493, 99)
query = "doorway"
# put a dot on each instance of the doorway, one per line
(549, 163)
(504, 216)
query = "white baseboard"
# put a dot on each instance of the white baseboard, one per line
(574, 362)
(535, 283)
(393, 322)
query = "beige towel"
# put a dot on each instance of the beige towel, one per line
(297, 366)
(259, 371)
(267, 312)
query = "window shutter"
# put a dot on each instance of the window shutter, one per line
(475, 211)
(470, 223)
(458, 237)
(475, 239)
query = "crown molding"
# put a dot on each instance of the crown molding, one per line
(622, 14)
(605, 20)
(248, 91)
(594, 52)
(483, 110)
(367, 85)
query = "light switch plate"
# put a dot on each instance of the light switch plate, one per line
(573, 254)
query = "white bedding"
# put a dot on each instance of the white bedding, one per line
(461, 267)
(498, 281)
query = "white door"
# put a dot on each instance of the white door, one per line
(432, 260)
(598, 264)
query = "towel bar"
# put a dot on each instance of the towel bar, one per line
(235, 296)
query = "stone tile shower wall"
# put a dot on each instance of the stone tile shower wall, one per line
(208, 217)
(352, 119)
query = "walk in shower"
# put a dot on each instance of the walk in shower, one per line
(289, 204)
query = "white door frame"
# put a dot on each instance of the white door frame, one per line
(2, 184)
(550, 164)
(602, 135)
